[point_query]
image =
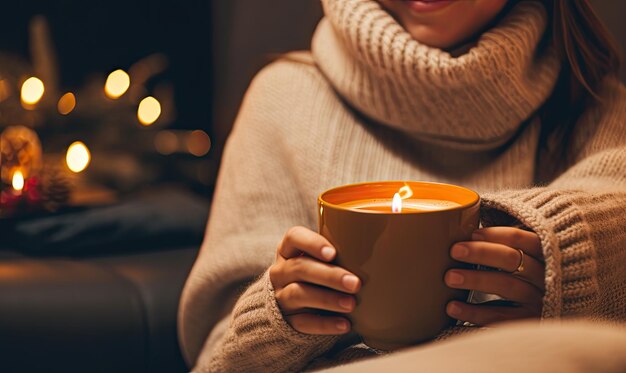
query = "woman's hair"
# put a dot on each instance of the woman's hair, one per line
(589, 53)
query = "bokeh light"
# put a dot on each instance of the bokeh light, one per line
(67, 103)
(198, 143)
(77, 157)
(166, 142)
(32, 91)
(149, 110)
(5, 89)
(117, 84)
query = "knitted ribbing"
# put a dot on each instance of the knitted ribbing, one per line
(387, 75)
(582, 278)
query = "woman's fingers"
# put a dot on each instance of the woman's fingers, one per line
(505, 248)
(303, 280)
(503, 284)
(500, 256)
(297, 296)
(299, 240)
(485, 314)
(306, 269)
(309, 323)
(529, 242)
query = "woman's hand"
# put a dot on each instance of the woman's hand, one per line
(507, 249)
(304, 284)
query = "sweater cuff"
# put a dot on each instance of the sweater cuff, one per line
(263, 340)
(570, 269)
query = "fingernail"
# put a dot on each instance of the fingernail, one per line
(459, 251)
(476, 236)
(454, 278)
(342, 325)
(346, 303)
(350, 282)
(328, 252)
(454, 310)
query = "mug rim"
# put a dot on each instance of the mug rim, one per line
(324, 203)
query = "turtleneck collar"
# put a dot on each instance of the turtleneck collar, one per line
(479, 98)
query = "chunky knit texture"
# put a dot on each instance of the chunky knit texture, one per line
(387, 75)
(377, 105)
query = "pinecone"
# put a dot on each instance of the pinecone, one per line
(55, 189)
(20, 149)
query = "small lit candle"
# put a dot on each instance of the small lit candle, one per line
(18, 182)
(406, 206)
(400, 203)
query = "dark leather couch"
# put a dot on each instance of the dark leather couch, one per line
(97, 289)
(103, 314)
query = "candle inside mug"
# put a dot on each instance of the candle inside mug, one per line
(401, 257)
(383, 205)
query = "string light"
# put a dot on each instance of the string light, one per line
(5, 90)
(198, 143)
(67, 103)
(77, 157)
(32, 91)
(117, 84)
(166, 142)
(149, 110)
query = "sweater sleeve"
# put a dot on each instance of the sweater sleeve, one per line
(256, 328)
(579, 217)
(257, 199)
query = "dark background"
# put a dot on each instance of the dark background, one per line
(97, 37)
(214, 46)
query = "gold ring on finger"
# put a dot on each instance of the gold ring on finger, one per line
(520, 267)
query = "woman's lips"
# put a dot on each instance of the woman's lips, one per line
(423, 6)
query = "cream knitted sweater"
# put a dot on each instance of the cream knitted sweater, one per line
(378, 105)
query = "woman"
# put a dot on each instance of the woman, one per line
(517, 100)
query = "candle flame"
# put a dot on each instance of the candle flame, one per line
(405, 192)
(18, 181)
(396, 205)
